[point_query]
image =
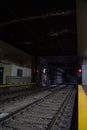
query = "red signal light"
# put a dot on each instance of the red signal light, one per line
(79, 70)
(35, 71)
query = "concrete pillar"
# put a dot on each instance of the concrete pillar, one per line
(82, 35)
(82, 27)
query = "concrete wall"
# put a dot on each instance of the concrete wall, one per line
(14, 55)
(26, 71)
(7, 71)
(11, 70)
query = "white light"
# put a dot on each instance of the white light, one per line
(44, 70)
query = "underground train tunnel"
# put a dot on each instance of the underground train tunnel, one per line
(43, 65)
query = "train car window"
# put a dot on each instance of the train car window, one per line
(19, 72)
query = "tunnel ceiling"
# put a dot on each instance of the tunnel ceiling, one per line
(40, 27)
(64, 62)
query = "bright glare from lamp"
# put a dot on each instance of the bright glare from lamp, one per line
(44, 70)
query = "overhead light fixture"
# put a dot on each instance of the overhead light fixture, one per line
(60, 33)
(54, 34)
(52, 14)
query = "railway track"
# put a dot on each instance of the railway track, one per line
(50, 112)
(10, 95)
(6, 97)
(12, 104)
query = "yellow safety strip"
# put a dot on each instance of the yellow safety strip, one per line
(16, 85)
(82, 109)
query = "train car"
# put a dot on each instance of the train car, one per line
(14, 74)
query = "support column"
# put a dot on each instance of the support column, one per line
(82, 27)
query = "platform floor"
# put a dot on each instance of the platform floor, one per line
(82, 109)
